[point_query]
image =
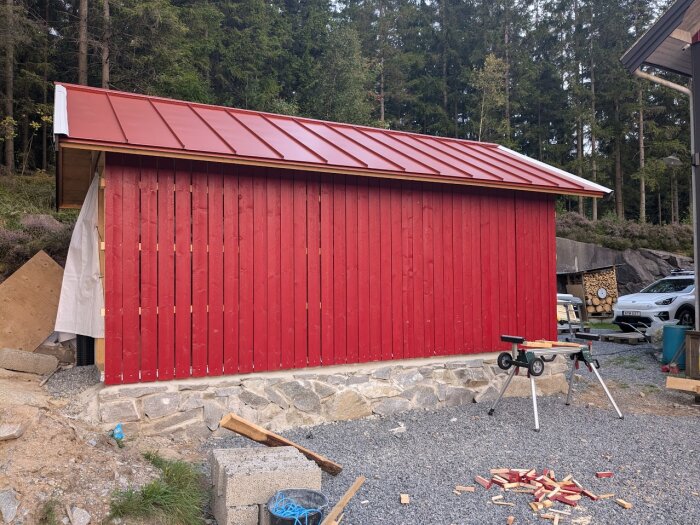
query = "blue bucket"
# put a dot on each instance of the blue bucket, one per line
(674, 336)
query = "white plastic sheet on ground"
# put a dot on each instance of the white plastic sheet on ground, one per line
(82, 300)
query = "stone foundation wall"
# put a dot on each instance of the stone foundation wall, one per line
(282, 400)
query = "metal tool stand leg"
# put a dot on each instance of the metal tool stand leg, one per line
(534, 403)
(607, 392)
(571, 380)
(505, 386)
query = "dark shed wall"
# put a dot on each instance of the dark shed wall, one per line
(243, 269)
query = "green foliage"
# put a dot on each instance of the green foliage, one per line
(48, 515)
(176, 498)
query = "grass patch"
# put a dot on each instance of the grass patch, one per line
(631, 362)
(48, 515)
(176, 498)
(650, 389)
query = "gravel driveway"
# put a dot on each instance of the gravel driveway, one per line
(655, 457)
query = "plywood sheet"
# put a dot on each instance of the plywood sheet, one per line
(28, 303)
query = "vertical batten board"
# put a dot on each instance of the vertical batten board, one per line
(363, 273)
(407, 271)
(489, 274)
(231, 269)
(166, 270)
(246, 261)
(458, 283)
(215, 286)
(393, 204)
(287, 270)
(375, 254)
(449, 323)
(424, 230)
(327, 275)
(383, 219)
(183, 268)
(260, 306)
(550, 311)
(300, 273)
(149, 268)
(200, 270)
(274, 283)
(438, 255)
(313, 228)
(351, 235)
(100, 343)
(131, 295)
(339, 272)
(113, 270)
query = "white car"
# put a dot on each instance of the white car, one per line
(672, 297)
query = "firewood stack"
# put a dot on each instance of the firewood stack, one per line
(593, 283)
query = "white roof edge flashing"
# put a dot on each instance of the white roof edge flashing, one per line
(591, 185)
(60, 111)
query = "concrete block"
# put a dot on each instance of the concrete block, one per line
(241, 515)
(29, 362)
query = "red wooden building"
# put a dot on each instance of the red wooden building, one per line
(237, 241)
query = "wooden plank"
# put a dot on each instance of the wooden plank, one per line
(313, 231)
(274, 270)
(447, 257)
(215, 348)
(473, 263)
(339, 272)
(166, 270)
(333, 515)
(149, 269)
(260, 313)
(327, 271)
(231, 270)
(257, 433)
(407, 270)
(681, 383)
(424, 262)
(100, 342)
(458, 283)
(183, 269)
(200, 270)
(351, 223)
(287, 270)
(130, 265)
(246, 264)
(300, 273)
(363, 273)
(396, 282)
(377, 292)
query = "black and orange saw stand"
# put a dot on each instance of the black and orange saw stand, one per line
(532, 355)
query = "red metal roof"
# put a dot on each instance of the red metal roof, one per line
(113, 120)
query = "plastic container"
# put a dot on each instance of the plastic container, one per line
(674, 336)
(313, 500)
(85, 351)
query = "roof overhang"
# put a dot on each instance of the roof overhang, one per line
(665, 44)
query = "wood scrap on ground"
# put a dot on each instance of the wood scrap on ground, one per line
(257, 433)
(684, 384)
(342, 503)
(405, 499)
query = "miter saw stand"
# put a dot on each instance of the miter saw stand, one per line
(532, 355)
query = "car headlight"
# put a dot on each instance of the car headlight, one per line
(664, 302)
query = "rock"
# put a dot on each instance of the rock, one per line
(252, 399)
(383, 373)
(29, 362)
(160, 405)
(8, 505)
(421, 396)
(191, 402)
(472, 377)
(323, 390)
(456, 396)
(394, 405)
(65, 353)
(408, 378)
(378, 390)
(139, 391)
(347, 405)
(80, 516)
(228, 391)
(444, 375)
(301, 397)
(275, 397)
(357, 380)
(172, 423)
(489, 393)
(10, 431)
(555, 384)
(118, 411)
(213, 412)
(337, 379)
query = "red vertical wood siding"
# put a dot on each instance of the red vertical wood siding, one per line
(219, 269)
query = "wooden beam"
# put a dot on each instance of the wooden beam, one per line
(343, 502)
(683, 36)
(681, 383)
(257, 433)
(100, 169)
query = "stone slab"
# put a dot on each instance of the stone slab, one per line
(29, 362)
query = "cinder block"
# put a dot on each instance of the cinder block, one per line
(239, 456)
(242, 515)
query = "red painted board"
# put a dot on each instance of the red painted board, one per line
(287, 271)
(393, 203)
(149, 268)
(438, 273)
(274, 271)
(339, 271)
(231, 269)
(300, 272)
(245, 235)
(422, 264)
(131, 364)
(166, 270)
(200, 269)
(375, 255)
(183, 269)
(327, 275)
(313, 229)
(458, 271)
(351, 221)
(260, 311)
(113, 269)
(215, 356)
(448, 289)
(407, 271)
(363, 273)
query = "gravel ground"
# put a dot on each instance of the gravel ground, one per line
(72, 381)
(651, 454)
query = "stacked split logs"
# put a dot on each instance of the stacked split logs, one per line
(592, 283)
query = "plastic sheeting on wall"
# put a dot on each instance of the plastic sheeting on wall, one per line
(82, 300)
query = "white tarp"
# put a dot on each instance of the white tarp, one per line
(81, 303)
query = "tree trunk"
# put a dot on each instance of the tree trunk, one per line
(9, 88)
(107, 34)
(674, 197)
(382, 49)
(619, 202)
(83, 44)
(443, 21)
(45, 85)
(642, 178)
(579, 158)
(506, 39)
(594, 143)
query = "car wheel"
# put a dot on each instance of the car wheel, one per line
(625, 327)
(686, 317)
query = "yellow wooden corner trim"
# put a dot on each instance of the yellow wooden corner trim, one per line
(102, 312)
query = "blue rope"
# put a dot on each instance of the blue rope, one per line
(285, 507)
